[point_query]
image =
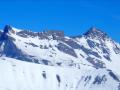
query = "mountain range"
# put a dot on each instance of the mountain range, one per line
(50, 60)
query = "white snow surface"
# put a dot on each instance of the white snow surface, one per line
(20, 75)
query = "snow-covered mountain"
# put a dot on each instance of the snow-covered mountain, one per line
(50, 60)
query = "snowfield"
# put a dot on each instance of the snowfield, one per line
(20, 75)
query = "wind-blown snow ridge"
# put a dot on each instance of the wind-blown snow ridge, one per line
(92, 59)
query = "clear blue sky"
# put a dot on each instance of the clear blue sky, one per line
(74, 17)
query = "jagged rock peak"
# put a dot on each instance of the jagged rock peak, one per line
(7, 28)
(54, 32)
(96, 33)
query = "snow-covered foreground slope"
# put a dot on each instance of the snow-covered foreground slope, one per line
(50, 60)
(20, 75)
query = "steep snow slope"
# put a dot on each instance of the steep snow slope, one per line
(20, 75)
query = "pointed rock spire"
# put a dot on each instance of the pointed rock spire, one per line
(96, 33)
(7, 28)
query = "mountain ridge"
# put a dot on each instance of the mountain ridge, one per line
(91, 30)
